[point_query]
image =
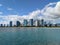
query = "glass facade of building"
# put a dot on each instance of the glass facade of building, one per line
(31, 22)
(17, 23)
(10, 23)
(42, 22)
(1, 25)
(25, 23)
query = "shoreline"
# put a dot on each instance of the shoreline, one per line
(29, 27)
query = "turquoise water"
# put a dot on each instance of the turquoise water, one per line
(29, 36)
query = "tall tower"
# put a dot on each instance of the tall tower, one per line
(31, 22)
(1, 25)
(10, 23)
(42, 22)
(25, 22)
(37, 23)
(17, 23)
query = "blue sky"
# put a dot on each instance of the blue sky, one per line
(27, 9)
(23, 7)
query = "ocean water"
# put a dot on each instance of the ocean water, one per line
(29, 36)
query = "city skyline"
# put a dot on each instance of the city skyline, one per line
(13, 10)
(31, 23)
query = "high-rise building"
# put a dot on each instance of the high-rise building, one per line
(42, 22)
(10, 23)
(37, 23)
(1, 25)
(25, 23)
(45, 24)
(49, 24)
(31, 22)
(17, 23)
(4, 25)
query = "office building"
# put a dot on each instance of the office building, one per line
(31, 22)
(42, 22)
(17, 23)
(25, 23)
(37, 23)
(1, 25)
(45, 24)
(4, 25)
(10, 23)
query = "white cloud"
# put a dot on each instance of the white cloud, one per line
(52, 12)
(14, 18)
(34, 14)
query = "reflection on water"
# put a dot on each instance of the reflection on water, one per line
(29, 36)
